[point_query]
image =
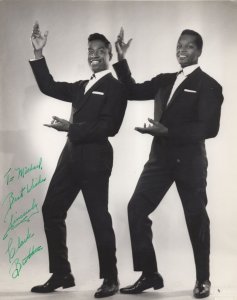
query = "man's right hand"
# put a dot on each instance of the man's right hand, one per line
(120, 46)
(38, 41)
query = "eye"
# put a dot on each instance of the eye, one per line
(90, 51)
(101, 51)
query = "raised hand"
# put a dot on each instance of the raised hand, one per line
(121, 46)
(59, 124)
(38, 41)
(156, 129)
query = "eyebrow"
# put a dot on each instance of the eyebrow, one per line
(98, 48)
(190, 43)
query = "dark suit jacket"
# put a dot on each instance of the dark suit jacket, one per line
(193, 113)
(96, 115)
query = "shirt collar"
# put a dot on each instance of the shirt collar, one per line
(189, 69)
(101, 74)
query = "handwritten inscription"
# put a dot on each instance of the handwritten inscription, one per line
(12, 198)
(18, 264)
(21, 172)
(14, 246)
(16, 220)
(19, 206)
(24, 171)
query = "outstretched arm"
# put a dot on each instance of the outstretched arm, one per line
(135, 91)
(59, 90)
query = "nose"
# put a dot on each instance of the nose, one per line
(183, 49)
(95, 54)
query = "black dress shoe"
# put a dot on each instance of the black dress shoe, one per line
(154, 281)
(55, 282)
(202, 289)
(108, 288)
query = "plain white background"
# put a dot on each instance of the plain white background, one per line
(155, 28)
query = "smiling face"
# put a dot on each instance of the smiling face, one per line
(98, 56)
(187, 51)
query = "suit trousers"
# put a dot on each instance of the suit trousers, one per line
(189, 174)
(65, 185)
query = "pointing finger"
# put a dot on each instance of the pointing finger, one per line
(152, 121)
(56, 118)
(121, 33)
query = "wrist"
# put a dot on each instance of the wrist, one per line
(68, 126)
(121, 57)
(38, 53)
(165, 132)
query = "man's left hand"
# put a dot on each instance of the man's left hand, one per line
(156, 129)
(59, 124)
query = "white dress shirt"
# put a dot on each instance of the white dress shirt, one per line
(181, 77)
(95, 78)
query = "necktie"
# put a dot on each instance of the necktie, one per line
(92, 76)
(90, 82)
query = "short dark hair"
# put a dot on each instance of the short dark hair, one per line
(101, 37)
(198, 38)
(98, 36)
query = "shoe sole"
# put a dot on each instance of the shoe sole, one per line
(201, 296)
(158, 286)
(68, 285)
(155, 287)
(107, 295)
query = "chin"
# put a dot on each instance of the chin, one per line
(96, 70)
(183, 65)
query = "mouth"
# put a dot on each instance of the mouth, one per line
(94, 62)
(181, 56)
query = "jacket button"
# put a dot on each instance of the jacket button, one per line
(178, 160)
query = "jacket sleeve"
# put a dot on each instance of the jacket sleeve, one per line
(208, 115)
(59, 90)
(109, 121)
(136, 91)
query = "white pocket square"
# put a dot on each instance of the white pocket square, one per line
(97, 93)
(190, 91)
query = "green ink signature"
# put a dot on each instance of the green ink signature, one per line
(24, 171)
(22, 218)
(14, 218)
(11, 198)
(8, 177)
(13, 249)
(21, 172)
(17, 264)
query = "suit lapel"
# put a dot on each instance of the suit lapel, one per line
(88, 93)
(177, 92)
(161, 98)
(192, 78)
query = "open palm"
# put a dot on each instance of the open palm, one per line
(38, 41)
(121, 46)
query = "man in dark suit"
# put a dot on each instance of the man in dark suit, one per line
(187, 111)
(85, 164)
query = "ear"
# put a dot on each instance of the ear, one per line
(110, 56)
(200, 53)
